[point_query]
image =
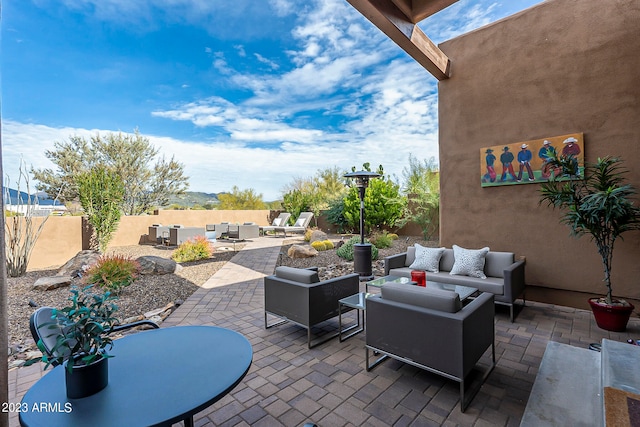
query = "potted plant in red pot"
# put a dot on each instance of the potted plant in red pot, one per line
(597, 202)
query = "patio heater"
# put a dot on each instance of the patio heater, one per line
(362, 251)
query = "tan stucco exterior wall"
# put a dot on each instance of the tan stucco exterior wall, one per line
(62, 237)
(564, 66)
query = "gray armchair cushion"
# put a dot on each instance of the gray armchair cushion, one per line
(434, 299)
(299, 275)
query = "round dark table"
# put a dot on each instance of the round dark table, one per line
(156, 378)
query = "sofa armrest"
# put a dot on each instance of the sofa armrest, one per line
(394, 261)
(514, 282)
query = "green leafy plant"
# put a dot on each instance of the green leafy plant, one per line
(381, 239)
(383, 203)
(112, 272)
(346, 251)
(194, 249)
(596, 203)
(335, 216)
(422, 187)
(83, 328)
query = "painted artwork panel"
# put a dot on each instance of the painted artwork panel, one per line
(524, 162)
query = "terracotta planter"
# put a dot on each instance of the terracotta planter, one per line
(611, 317)
(87, 379)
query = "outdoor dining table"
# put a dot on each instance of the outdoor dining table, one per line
(156, 378)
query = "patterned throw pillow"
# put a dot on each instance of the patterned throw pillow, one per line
(427, 259)
(469, 262)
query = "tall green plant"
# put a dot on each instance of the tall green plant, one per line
(597, 203)
(101, 196)
(422, 187)
(383, 203)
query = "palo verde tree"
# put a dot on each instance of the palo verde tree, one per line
(101, 195)
(241, 199)
(314, 193)
(148, 179)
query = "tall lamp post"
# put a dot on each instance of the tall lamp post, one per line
(362, 251)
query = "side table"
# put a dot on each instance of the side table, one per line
(353, 302)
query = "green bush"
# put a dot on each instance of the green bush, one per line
(112, 273)
(194, 249)
(346, 251)
(382, 240)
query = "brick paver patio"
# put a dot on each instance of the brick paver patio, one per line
(289, 385)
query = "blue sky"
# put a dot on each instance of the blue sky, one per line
(253, 93)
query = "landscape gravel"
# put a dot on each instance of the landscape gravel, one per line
(148, 292)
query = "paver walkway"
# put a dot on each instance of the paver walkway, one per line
(289, 385)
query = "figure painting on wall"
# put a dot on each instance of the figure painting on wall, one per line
(506, 158)
(524, 158)
(537, 166)
(490, 159)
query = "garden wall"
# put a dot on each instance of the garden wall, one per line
(561, 67)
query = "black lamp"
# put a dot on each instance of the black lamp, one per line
(362, 251)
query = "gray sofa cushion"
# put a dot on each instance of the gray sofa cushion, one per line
(434, 299)
(299, 275)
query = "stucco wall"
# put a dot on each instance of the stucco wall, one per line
(62, 237)
(561, 67)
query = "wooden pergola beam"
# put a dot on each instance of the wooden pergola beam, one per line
(417, 10)
(385, 15)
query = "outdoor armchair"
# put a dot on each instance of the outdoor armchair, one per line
(298, 296)
(430, 329)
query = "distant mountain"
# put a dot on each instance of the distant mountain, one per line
(43, 199)
(191, 198)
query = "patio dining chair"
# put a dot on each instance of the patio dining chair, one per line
(47, 337)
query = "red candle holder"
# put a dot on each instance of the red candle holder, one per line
(419, 276)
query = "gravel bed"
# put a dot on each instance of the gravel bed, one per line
(147, 293)
(331, 265)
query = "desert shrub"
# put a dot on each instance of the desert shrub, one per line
(329, 244)
(381, 240)
(193, 250)
(319, 245)
(112, 273)
(346, 251)
(393, 236)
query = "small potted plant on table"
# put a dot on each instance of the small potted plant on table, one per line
(598, 203)
(81, 332)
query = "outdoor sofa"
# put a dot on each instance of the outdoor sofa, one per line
(297, 295)
(432, 330)
(504, 276)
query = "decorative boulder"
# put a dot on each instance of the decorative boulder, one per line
(318, 235)
(50, 283)
(298, 251)
(76, 266)
(150, 264)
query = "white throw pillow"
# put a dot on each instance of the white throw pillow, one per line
(276, 222)
(427, 259)
(299, 222)
(469, 262)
